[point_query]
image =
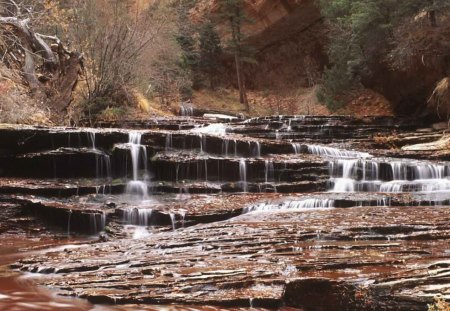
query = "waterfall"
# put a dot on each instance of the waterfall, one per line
(186, 110)
(103, 166)
(256, 152)
(297, 148)
(211, 129)
(352, 175)
(168, 145)
(328, 151)
(138, 216)
(293, 204)
(278, 136)
(68, 222)
(269, 171)
(172, 220)
(334, 152)
(137, 151)
(225, 144)
(91, 139)
(102, 160)
(243, 174)
(97, 222)
(379, 175)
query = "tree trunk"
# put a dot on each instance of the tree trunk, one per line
(53, 80)
(235, 24)
(432, 17)
(242, 92)
(432, 14)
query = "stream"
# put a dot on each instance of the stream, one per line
(185, 213)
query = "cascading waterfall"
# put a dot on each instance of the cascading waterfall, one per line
(173, 220)
(378, 175)
(186, 110)
(225, 144)
(68, 222)
(269, 171)
(256, 151)
(334, 152)
(168, 144)
(138, 151)
(91, 138)
(97, 222)
(297, 148)
(137, 216)
(102, 160)
(228, 144)
(217, 129)
(294, 204)
(243, 174)
(327, 151)
(352, 175)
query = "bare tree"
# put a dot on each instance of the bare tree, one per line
(113, 39)
(47, 66)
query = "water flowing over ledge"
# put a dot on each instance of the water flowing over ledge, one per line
(244, 213)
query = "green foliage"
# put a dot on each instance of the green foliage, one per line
(210, 51)
(189, 58)
(233, 12)
(361, 32)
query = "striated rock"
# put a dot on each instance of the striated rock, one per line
(267, 212)
(337, 251)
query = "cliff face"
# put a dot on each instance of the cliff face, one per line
(289, 37)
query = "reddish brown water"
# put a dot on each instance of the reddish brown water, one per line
(19, 293)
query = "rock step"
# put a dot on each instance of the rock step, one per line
(91, 214)
(178, 167)
(62, 163)
(386, 121)
(288, 258)
(172, 123)
(28, 139)
(59, 188)
(229, 146)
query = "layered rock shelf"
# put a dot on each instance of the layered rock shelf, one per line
(389, 256)
(315, 213)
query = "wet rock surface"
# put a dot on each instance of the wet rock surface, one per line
(388, 253)
(317, 213)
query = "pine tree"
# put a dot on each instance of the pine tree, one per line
(210, 51)
(365, 30)
(233, 12)
(189, 58)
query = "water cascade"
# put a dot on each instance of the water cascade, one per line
(269, 172)
(256, 151)
(97, 222)
(169, 144)
(137, 186)
(291, 204)
(186, 110)
(137, 216)
(379, 175)
(103, 160)
(327, 151)
(338, 208)
(211, 129)
(243, 174)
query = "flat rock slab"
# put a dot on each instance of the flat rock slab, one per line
(59, 187)
(397, 256)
